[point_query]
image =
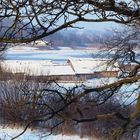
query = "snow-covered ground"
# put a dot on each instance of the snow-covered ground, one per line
(35, 61)
(9, 133)
(96, 82)
(36, 68)
(58, 56)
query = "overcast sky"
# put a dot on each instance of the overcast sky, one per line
(98, 26)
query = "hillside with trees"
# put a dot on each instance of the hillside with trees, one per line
(81, 38)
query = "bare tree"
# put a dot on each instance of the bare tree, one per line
(29, 20)
(32, 19)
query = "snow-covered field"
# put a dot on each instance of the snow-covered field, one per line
(35, 61)
(58, 56)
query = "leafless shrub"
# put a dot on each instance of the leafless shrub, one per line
(54, 108)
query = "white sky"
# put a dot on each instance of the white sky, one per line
(98, 26)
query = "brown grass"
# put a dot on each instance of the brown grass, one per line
(19, 105)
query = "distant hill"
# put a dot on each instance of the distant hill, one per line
(77, 37)
(69, 37)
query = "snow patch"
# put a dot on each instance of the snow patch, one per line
(8, 133)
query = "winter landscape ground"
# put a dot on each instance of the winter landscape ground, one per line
(8, 133)
(57, 56)
(35, 54)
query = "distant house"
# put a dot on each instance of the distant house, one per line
(40, 43)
